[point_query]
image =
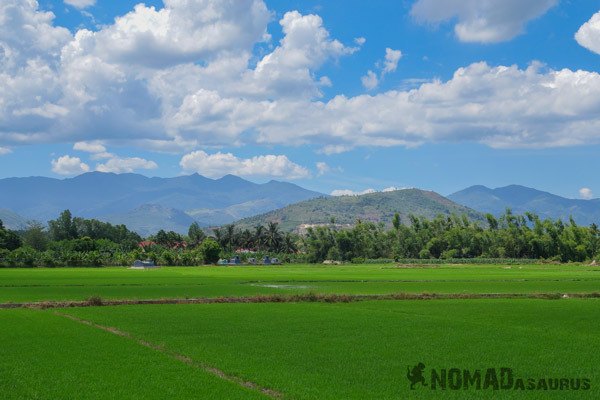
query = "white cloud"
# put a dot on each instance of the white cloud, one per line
(348, 192)
(4, 150)
(322, 168)
(484, 21)
(391, 60)
(586, 193)
(305, 47)
(96, 147)
(162, 90)
(500, 106)
(80, 4)
(90, 147)
(220, 164)
(67, 165)
(390, 63)
(390, 189)
(588, 34)
(120, 165)
(360, 41)
(182, 31)
(370, 80)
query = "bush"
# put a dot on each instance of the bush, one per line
(210, 251)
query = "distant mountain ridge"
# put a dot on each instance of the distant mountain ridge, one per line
(521, 199)
(375, 207)
(145, 203)
(12, 220)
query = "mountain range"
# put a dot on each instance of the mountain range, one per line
(521, 199)
(374, 207)
(146, 204)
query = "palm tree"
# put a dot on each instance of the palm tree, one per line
(273, 236)
(219, 236)
(230, 237)
(259, 233)
(288, 244)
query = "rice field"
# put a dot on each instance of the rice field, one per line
(313, 346)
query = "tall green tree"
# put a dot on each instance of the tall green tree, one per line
(63, 227)
(196, 234)
(35, 236)
(9, 240)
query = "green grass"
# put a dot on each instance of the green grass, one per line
(358, 350)
(45, 356)
(362, 350)
(23, 285)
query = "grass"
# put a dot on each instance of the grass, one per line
(25, 285)
(45, 356)
(362, 350)
(305, 349)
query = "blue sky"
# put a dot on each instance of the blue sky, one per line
(334, 96)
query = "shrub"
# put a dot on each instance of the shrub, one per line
(210, 250)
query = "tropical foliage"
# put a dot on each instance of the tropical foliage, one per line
(69, 241)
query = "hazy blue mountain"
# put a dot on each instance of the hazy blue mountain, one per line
(12, 220)
(118, 197)
(521, 199)
(150, 218)
(375, 207)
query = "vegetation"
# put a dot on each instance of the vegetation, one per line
(373, 207)
(452, 237)
(47, 356)
(81, 284)
(302, 349)
(362, 350)
(87, 242)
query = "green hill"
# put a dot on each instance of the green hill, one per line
(375, 207)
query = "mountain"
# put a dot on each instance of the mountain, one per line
(12, 220)
(374, 207)
(521, 199)
(143, 201)
(150, 218)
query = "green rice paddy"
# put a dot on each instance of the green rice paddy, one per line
(298, 350)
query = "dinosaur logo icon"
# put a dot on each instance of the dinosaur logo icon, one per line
(416, 375)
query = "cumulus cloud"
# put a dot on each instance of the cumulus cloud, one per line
(484, 21)
(390, 63)
(391, 60)
(306, 45)
(120, 165)
(588, 34)
(67, 165)
(185, 76)
(220, 164)
(184, 30)
(4, 150)
(370, 80)
(29, 88)
(348, 192)
(586, 193)
(90, 147)
(80, 4)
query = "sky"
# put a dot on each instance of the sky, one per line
(338, 96)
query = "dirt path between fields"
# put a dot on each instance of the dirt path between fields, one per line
(179, 357)
(300, 298)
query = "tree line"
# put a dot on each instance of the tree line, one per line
(456, 237)
(74, 241)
